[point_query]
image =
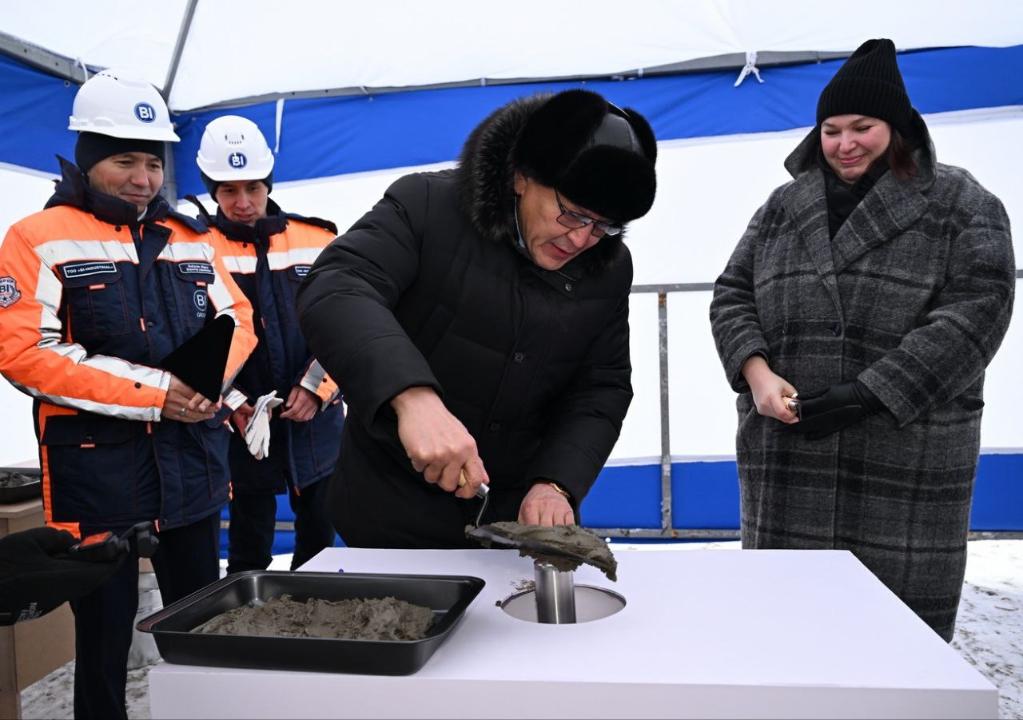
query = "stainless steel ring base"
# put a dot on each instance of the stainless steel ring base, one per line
(591, 603)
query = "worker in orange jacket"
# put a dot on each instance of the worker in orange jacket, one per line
(294, 448)
(95, 290)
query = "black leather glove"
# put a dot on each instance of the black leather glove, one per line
(838, 407)
(37, 575)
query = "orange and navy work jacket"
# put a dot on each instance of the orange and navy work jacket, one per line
(91, 299)
(269, 261)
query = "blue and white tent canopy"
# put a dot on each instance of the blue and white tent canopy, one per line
(399, 83)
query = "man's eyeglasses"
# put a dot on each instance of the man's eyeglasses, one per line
(572, 219)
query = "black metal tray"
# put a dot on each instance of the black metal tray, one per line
(22, 492)
(447, 595)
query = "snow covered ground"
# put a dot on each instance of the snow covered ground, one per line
(989, 632)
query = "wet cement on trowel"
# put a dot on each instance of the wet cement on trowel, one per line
(566, 547)
(350, 619)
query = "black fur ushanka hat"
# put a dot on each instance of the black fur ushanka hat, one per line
(597, 155)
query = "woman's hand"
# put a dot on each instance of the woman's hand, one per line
(773, 395)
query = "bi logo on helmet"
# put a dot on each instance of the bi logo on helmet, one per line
(145, 112)
(236, 160)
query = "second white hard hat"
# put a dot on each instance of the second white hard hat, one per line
(233, 148)
(116, 103)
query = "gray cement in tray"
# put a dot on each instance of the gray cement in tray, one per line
(14, 479)
(349, 619)
(566, 547)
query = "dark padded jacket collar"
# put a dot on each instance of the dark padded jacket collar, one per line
(73, 190)
(276, 221)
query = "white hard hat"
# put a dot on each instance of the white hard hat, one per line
(233, 148)
(119, 104)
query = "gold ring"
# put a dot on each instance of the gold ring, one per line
(461, 478)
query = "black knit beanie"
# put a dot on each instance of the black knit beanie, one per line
(869, 83)
(599, 156)
(212, 185)
(93, 147)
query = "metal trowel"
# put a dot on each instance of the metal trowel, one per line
(482, 492)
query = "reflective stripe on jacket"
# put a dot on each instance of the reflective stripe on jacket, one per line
(91, 299)
(268, 262)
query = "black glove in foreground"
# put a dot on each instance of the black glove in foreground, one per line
(36, 574)
(838, 407)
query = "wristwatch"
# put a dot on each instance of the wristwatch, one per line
(560, 490)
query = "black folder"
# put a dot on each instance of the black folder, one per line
(200, 361)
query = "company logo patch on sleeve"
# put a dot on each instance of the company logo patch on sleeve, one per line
(9, 293)
(302, 270)
(195, 268)
(83, 269)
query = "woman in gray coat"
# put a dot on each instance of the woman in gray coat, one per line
(855, 320)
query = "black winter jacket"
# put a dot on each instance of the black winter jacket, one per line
(428, 288)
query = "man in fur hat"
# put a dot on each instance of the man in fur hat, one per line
(485, 325)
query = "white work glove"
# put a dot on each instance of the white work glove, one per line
(257, 434)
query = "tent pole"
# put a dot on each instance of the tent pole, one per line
(179, 48)
(170, 183)
(41, 58)
(170, 180)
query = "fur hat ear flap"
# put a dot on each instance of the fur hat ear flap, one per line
(601, 157)
(644, 133)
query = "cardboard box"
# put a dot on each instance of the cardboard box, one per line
(42, 645)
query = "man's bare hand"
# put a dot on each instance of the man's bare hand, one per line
(437, 443)
(184, 404)
(301, 405)
(242, 417)
(543, 505)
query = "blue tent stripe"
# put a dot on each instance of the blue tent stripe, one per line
(323, 137)
(334, 136)
(34, 110)
(706, 495)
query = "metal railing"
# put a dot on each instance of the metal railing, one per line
(666, 530)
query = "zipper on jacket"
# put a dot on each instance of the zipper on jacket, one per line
(159, 472)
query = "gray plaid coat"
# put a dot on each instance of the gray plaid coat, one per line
(912, 297)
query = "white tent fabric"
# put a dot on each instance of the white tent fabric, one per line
(265, 47)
